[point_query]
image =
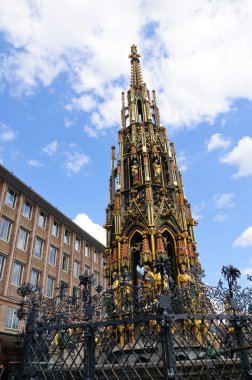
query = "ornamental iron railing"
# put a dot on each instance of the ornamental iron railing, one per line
(139, 332)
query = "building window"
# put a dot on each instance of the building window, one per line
(76, 269)
(55, 229)
(52, 255)
(27, 210)
(49, 287)
(42, 219)
(17, 273)
(95, 256)
(22, 239)
(11, 198)
(67, 237)
(65, 258)
(35, 276)
(87, 250)
(11, 321)
(64, 286)
(38, 250)
(103, 281)
(87, 270)
(95, 278)
(75, 292)
(2, 262)
(5, 228)
(77, 245)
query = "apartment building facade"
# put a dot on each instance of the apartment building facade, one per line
(40, 245)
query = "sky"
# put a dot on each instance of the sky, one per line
(63, 66)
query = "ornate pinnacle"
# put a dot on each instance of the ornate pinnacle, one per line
(136, 74)
(134, 53)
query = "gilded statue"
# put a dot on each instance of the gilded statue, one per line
(157, 171)
(135, 171)
(183, 277)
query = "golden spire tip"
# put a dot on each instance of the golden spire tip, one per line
(134, 53)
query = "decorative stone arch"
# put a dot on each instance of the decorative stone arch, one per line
(131, 229)
(170, 249)
(166, 224)
(135, 248)
(166, 238)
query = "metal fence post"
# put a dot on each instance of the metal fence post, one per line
(231, 274)
(89, 330)
(89, 352)
(241, 343)
(26, 290)
(168, 344)
(24, 356)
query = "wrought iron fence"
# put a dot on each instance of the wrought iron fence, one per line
(139, 332)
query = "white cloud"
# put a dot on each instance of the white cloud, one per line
(90, 47)
(51, 149)
(90, 131)
(182, 162)
(198, 50)
(197, 210)
(224, 200)
(16, 154)
(197, 54)
(217, 141)
(90, 227)
(84, 103)
(247, 271)
(6, 133)
(245, 239)
(72, 145)
(34, 163)
(68, 123)
(240, 156)
(220, 218)
(75, 161)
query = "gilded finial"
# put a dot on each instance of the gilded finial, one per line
(134, 53)
(136, 74)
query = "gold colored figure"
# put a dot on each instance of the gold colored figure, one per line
(183, 277)
(203, 330)
(158, 281)
(115, 283)
(126, 335)
(135, 172)
(115, 287)
(187, 325)
(148, 276)
(144, 257)
(157, 171)
(148, 282)
(197, 331)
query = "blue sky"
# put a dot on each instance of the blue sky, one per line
(63, 66)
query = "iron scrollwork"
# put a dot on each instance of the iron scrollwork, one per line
(160, 323)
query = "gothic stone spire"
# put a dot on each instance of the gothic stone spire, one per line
(148, 217)
(136, 74)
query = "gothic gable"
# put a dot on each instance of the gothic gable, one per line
(133, 216)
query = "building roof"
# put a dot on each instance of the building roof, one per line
(47, 207)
